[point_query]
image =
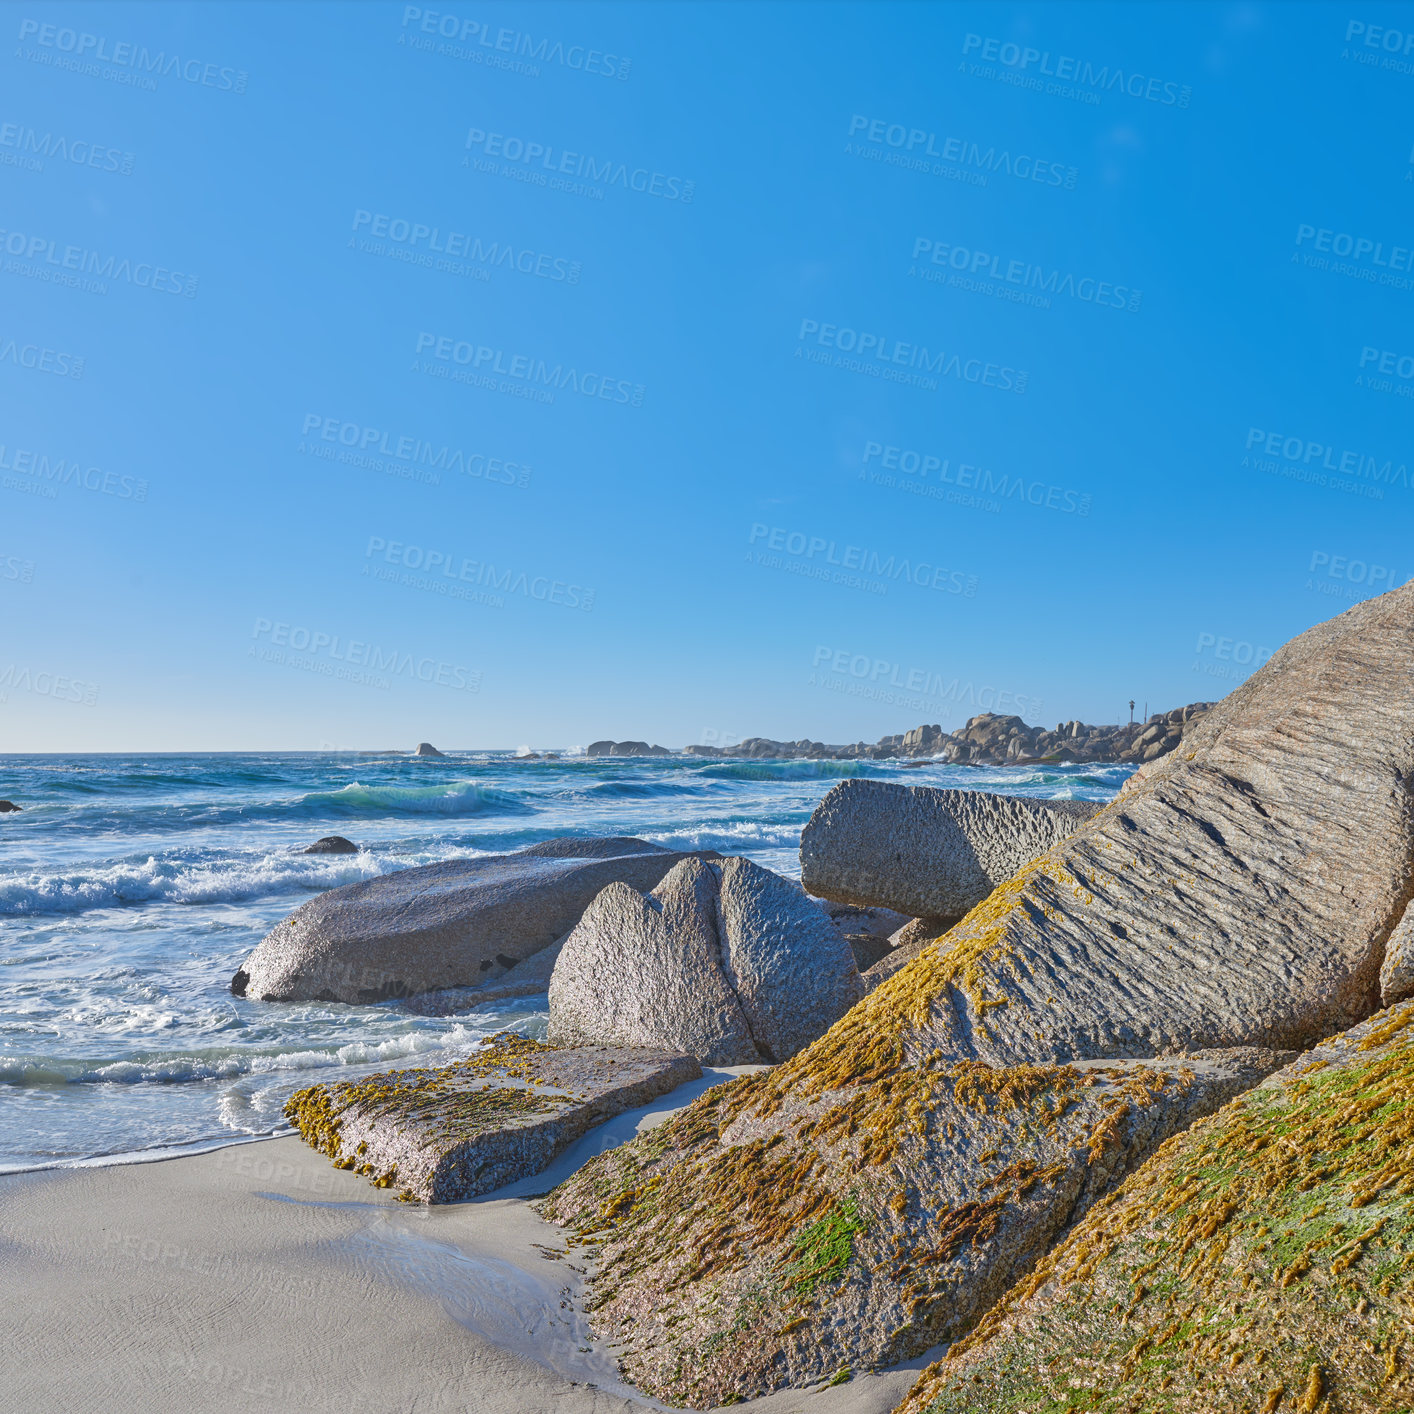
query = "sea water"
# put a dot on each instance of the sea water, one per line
(133, 886)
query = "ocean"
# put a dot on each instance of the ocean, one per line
(133, 886)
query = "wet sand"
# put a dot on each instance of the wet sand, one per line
(258, 1277)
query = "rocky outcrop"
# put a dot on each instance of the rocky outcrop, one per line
(452, 924)
(1270, 1248)
(425, 748)
(625, 748)
(922, 851)
(454, 1131)
(1238, 898)
(6, 806)
(726, 961)
(331, 844)
(990, 739)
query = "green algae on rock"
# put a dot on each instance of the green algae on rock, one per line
(1269, 1250)
(442, 1133)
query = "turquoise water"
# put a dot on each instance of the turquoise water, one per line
(131, 888)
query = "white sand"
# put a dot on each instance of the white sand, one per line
(258, 1277)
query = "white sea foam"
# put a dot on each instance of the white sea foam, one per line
(130, 881)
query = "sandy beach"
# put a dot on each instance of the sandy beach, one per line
(259, 1277)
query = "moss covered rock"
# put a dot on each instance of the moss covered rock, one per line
(1264, 1260)
(760, 1240)
(441, 1133)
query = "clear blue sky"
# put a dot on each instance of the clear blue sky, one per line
(777, 369)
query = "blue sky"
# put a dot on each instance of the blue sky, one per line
(509, 375)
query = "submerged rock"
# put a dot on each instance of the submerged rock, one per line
(1238, 898)
(454, 1131)
(1271, 1248)
(923, 851)
(726, 961)
(452, 924)
(331, 844)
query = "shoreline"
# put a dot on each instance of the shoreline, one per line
(254, 1275)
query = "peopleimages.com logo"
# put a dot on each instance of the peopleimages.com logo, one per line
(543, 157)
(882, 355)
(354, 654)
(825, 555)
(82, 49)
(534, 374)
(492, 41)
(1099, 77)
(916, 149)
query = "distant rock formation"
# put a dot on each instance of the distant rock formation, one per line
(624, 748)
(990, 740)
(425, 748)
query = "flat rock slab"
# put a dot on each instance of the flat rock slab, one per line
(455, 1131)
(925, 851)
(454, 924)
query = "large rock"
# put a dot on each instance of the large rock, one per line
(1238, 898)
(425, 748)
(453, 1131)
(728, 962)
(926, 852)
(646, 970)
(452, 924)
(1271, 1248)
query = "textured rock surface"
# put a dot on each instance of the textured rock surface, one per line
(1240, 896)
(925, 851)
(331, 844)
(734, 1262)
(450, 1132)
(726, 961)
(443, 925)
(425, 748)
(1397, 970)
(646, 970)
(907, 943)
(792, 972)
(1270, 1248)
